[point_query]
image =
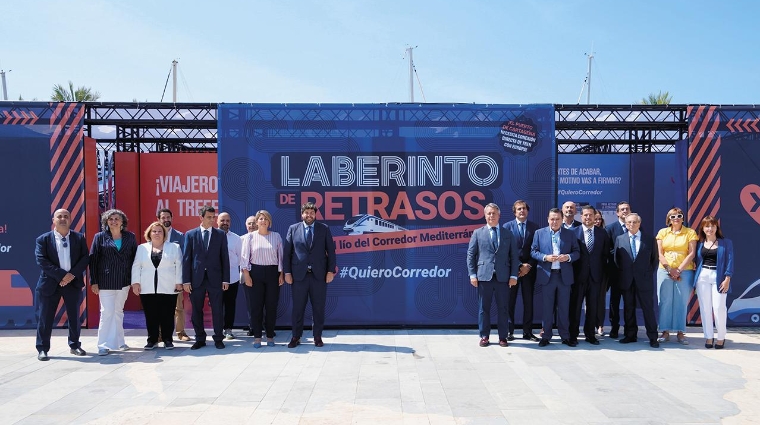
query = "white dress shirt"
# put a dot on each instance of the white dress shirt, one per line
(64, 253)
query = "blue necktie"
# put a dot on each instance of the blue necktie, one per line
(494, 238)
(633, 246)
(309, 236)
(522, 233)
(590, 242)
(205, 238)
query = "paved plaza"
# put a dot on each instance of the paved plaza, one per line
(410, 376)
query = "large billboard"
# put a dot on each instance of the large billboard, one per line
(401, 186)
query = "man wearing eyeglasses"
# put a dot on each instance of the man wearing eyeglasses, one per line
(63, 257)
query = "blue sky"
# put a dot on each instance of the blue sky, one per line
(332, 51)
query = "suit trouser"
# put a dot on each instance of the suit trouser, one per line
(310, 288)
(179, 313)
(711, 301)
(555, 290)
(229, 299)
(486, 293)
(645, 300)
(526, 285)
(197, 298)
(601, 308)
(111, 326)
(47, 305)
(265, 293)
(159, 315)
(589, 290)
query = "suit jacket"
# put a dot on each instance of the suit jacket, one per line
(542, 246)
(197, 259)
(169, 269)
(483, 260)
(724, 263)
(524, 249)
(177, 237)
(46, 254)
(640, 271)
(576, 223)
(110, 267)
(297, 256)
(591, 264)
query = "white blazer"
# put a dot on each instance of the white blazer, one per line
(169, 269)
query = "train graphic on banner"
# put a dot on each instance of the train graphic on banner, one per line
(365, 223)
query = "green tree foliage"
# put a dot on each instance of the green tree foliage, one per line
(81, 94)
(661, 98)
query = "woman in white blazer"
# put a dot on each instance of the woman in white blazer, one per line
(157, 278)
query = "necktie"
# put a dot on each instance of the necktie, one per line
(494, 238)
(590, 240)
(522, 233)
(309, 236)
(205, 238)
(633, 246)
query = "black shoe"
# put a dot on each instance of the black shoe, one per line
(531, 337)
(197, 345)
(219, 345)
(78, 352)
(720, 346)
(149, 346)
(169, 345)
(249, 333)
(614, 332)
(543, 343)
(710, 344)
(569, 343)
(592, 341)
(654, 344)
(627, 340)
(294, 342)
(318, 341)
(511, 337)
(42, 356)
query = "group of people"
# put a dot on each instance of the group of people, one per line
(204, 262)
(576, 263)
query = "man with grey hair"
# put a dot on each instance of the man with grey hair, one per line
(492, 260)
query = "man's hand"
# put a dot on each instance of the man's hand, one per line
(524, 269)
(136, 289)
(512, 282)
(67, 279)
(225, 286)
(95, 289)
(187, 288)
(288, 278)
(329, 277)
(474, 281)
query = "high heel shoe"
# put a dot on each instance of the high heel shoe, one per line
(721, 345)
(709, 344)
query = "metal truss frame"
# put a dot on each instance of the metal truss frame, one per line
(579, 129)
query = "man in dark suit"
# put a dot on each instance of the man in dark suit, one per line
(206, 269)
(308, 261)
(165, 216)
(613, 231)
(568, 215)
(637, 260)
(554, 248)
(492, 259)
(522, 231)
(589, 273)
(63, 257)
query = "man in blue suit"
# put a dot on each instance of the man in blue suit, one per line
(613, 231)
(63, 257)
(522, 231)
(206, 269)
(589, 272)
(492, 259)
(637, 257)
(308, 260)
(554, 248)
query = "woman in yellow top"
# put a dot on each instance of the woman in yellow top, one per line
(675, 277)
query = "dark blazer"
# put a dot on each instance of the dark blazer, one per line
(47, 258)
(542, 245)
(176, 236)
(530, 230)
(576, 223)
(483, 260)
(111, 268)
(641, 271)
(724, 263)
(297, 256)
(591, 265)
(197, 259)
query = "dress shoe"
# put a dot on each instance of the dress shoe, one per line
(484, 342)
(197, 345)
(219, 345)
(318, 341)
(511, 337)
(183, 336)
(169, 345)
(543, 343)
(569, 343)
(294, 342)
(654, 344)
(614, 333)
(503, 342)
(78, 352)
(627, 340)
(149, 346)
(531, 337)
(249, 333)
(592, 341)
(42, 356)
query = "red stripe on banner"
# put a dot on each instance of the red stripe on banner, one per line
(404, 239)
(703, 193)
(56, 113)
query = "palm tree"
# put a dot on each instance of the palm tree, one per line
(81, 94)
(657, 99)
